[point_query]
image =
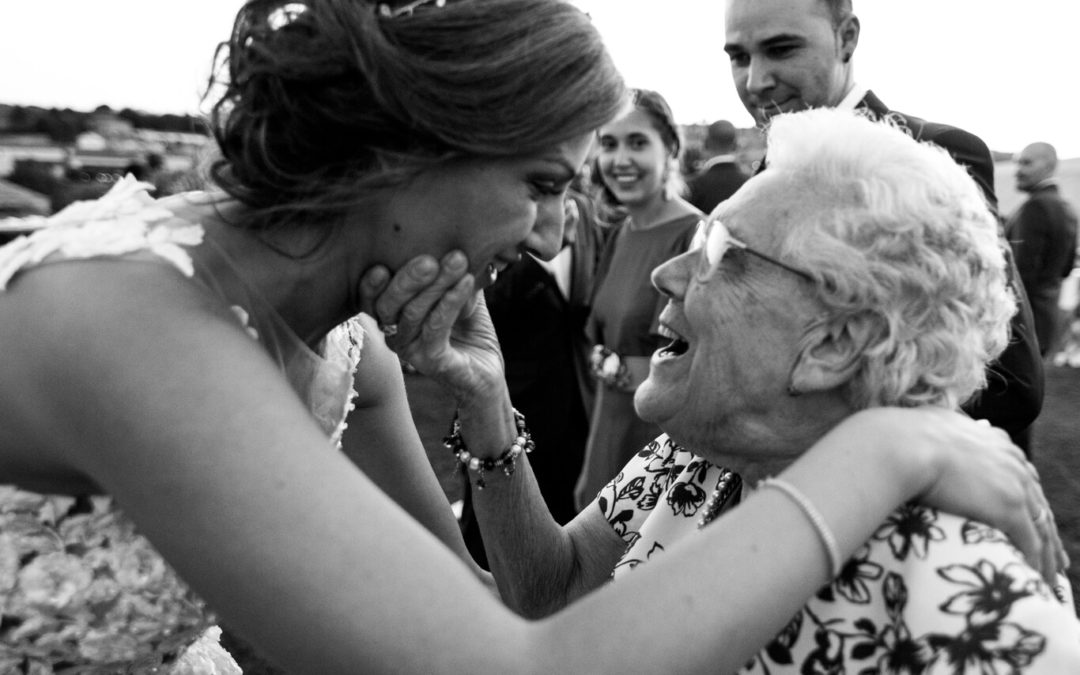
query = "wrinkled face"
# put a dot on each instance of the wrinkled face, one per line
(493, 209)
(633, 159)
(786, 55)
(1032, 167)
(735, 330)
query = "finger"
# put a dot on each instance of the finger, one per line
(372, 284)
(430, 346)
(452, 269)
(1033, 471)
(403, 287)
(413, 294)
(1060, 560)
(1052, 549)
(441, 319)
(1026, 536)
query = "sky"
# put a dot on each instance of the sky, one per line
(1004, 70)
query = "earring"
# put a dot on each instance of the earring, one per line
(669, 191)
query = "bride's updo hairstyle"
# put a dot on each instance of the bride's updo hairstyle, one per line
(321, 102)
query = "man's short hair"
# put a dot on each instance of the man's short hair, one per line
(721, 136)
(838, 9)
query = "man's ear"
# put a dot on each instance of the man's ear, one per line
(848, 31)
(830, 355)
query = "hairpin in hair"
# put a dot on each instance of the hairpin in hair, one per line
(388, 12)
(286, 14)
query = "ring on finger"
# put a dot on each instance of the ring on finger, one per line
(389, 329)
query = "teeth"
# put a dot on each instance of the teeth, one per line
(670, 334)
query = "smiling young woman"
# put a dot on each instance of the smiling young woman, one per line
(639, 173)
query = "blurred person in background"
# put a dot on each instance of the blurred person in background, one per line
(1042, 232)
(720, 175)
(638, 175)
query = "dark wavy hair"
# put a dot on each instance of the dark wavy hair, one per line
(324, 101)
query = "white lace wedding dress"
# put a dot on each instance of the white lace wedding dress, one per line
(81, 591)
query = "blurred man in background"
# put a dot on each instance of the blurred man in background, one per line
(720, 176)
(1042, 232)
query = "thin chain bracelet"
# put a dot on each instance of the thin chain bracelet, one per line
(481, 465)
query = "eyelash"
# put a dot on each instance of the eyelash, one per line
(548, 188)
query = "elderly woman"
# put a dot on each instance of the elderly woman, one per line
(860, 271)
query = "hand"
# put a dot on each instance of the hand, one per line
(981, 474)
(441, 323)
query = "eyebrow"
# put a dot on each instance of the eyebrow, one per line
(771, 41)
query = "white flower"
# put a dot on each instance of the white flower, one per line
(108, 645)
(52, 580)
(205, 657)
(611, 366)
(9, 567)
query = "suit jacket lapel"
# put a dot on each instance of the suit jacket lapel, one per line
(872, 103)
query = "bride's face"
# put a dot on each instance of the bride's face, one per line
(493, 209)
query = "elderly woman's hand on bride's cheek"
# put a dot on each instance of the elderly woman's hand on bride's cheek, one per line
(436, 320)
(400, 303)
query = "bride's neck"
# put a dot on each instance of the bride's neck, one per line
(299, 272)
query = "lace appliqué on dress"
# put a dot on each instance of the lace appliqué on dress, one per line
(80, 590)
(125, 220)
(83, 592)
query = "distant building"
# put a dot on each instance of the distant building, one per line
(33, 147)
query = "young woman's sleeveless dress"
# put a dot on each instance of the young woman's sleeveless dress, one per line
(80, 590)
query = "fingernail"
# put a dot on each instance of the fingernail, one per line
(423, 267)
(455, 261)
(378, 276)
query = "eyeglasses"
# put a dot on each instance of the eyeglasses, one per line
(715, 240)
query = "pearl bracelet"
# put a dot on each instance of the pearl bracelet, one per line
(828, 540)
(482, 465)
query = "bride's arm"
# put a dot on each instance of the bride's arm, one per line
(381, 439)
(194, 431)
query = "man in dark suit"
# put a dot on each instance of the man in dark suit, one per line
(721, 175)
(789, 55)
(1042, 232)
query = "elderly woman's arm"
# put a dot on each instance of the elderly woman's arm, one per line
(960, 466)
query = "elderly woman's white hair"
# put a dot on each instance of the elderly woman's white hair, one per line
(899, 236)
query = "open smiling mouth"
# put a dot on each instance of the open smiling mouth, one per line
(677, 347)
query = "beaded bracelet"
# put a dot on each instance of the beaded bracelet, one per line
(481, 465)
(816, 519)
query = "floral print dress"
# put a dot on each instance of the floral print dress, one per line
(81, 591)
(929, 592)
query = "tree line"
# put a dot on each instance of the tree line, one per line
(64, 125)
